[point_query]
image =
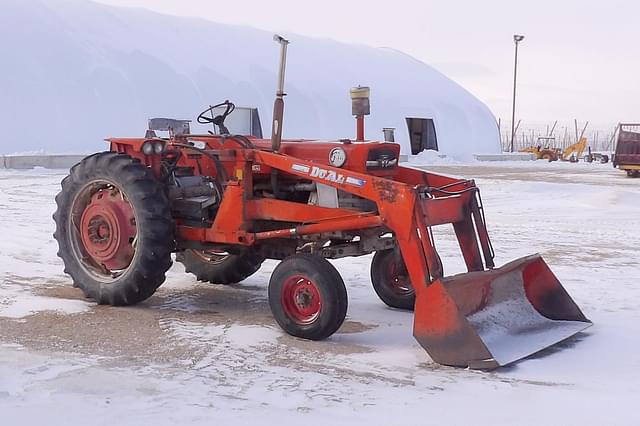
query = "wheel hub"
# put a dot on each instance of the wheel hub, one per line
(301, 299)
(108, 229)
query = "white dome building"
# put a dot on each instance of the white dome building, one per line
(75, 72)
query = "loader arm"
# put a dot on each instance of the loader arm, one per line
(408, 207)
(577, 148)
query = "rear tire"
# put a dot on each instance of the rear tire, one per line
(633, 173)
(114, 229)
(307, 297)
(390, 280)
(220, 268)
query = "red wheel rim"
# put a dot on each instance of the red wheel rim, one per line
(107, 229)
(397, 277)
(301, 299)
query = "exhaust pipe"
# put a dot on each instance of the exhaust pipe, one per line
(389, 134)
(278, 105)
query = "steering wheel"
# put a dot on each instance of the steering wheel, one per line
(218, 120)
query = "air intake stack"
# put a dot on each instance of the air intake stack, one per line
(360, 107)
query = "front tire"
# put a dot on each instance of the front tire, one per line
(549, 155)
(114, 229)
(307, 297)
(219, 267)
(390, 280)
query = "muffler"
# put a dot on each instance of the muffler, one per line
(489, 319)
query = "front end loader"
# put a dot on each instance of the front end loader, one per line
(223, 203)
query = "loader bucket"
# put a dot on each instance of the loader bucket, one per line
(491, 318)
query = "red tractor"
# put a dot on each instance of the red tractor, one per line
(223, 203)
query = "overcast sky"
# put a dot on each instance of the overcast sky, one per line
(579, 59)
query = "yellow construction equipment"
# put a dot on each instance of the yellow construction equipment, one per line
(577, 149)
(571, 153)
(549, 154)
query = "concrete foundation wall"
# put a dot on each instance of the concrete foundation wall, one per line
(506, 156)
(61, 161)
(66, 161)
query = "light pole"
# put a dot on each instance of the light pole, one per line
(517, 39)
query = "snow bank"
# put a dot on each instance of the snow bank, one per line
(431, 157)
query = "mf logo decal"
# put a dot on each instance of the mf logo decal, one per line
(328, 175)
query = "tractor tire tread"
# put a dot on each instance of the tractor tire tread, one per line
(153, 218)
(391, 299)
(232, 270)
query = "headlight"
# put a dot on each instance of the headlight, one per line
(153, 147)
(147, 148)
(337, 157)
(158, 147)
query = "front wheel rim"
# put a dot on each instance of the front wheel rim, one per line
(301, 299)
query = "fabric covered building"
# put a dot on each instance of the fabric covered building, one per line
(75, 72)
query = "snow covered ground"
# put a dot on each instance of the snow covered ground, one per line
(199, 354)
